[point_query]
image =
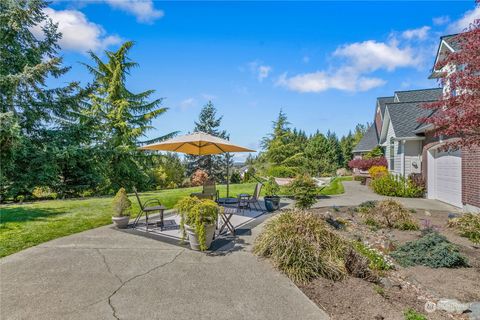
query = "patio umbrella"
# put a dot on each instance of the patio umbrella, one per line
(199, 144)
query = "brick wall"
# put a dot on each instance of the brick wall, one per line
(471, 176)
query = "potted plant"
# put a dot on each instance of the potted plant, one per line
(122, 207)
(272, 200)
(197, 221)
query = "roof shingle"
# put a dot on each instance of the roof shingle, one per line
(418, 95)
(404, 117)
(368, 141)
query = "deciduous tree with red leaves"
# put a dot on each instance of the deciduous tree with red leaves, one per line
(457, 114)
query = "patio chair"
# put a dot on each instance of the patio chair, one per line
(209, 191)
(146, 208)
(254, 199)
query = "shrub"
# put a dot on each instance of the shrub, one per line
(468, 225)
(235, 177)
(390, 214)
(396, 186)
(411, 314)
(432, 250)
(305, 190)
(303, 246)
(271, 187)
(44, 193)
(198, 178)
(122, 206)
(376, 152)
(376, 260)
(365, 164)
(197, 213)
(366, 206)
(377, 171)
(281, 172)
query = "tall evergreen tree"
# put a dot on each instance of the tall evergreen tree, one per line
(121, 117)
(214, 165)
(33, 114)
(347, 144)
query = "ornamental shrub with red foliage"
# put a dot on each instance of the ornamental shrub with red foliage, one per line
(365, 164)
(198, 178)
(457, 114)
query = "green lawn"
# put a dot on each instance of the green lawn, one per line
(29, 224)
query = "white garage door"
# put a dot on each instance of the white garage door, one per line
(448, 177)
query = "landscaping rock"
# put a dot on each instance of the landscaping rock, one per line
(475, 310)
(452, 306)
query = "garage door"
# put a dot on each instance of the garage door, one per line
(448, 177)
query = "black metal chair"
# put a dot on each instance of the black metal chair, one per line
(146, 208)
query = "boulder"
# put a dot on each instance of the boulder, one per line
(452, 306)
(474, 310)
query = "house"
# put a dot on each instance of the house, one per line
(410, 147)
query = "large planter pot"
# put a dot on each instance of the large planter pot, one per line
(193, 239)
(121, 222)
(272, 203)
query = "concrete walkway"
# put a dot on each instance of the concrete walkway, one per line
(107, 274)
(355, 194)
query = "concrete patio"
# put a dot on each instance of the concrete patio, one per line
(104, 273)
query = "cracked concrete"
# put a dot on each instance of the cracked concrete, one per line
(107, 274)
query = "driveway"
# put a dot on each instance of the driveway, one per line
(355, 193)
(107, 274)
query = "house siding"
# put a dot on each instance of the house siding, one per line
(397, 156)
(378, 120)
(413, 159)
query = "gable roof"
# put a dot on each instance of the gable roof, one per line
(451, 41)
(382, 101)
(368, 141)
(418, 95)
(404, 117)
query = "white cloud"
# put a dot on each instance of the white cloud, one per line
(261, 71)
(143, 10)
(440, 21)
(78, 34)
(208, 96)
(419, 33)
(188, 103)
(371, 55)
(359, 61)
(343, 79)
(465, 21)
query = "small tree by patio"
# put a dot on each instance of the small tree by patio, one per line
(305, 190)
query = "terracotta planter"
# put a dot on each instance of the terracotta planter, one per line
(121, 222)
(193, 239)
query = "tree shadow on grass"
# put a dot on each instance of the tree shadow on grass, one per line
(19, 214)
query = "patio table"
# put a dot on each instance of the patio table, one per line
(226, 215)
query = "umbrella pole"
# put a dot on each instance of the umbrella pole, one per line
(228, 180)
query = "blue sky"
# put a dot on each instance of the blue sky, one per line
(323, 63)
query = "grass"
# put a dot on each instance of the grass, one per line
(336, 186)
(29, 224)
(468, 226)
(411, 314)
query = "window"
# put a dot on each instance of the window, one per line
(392, 154)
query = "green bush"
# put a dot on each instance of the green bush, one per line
(389, 214)
(271, 187)
(397, 186)
(305, 190)
(432, 250)
(122, 206)
(411, 314)
(376, 260)
(44, 193)
(235, 177)
(468, 226)
(302, 246)
(197, 213)
(281, 172)
(366, 206)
